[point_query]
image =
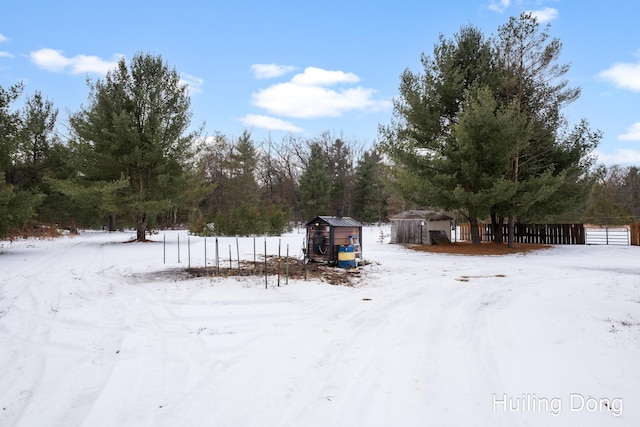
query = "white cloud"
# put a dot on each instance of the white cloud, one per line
(194, 84)
(50, 59)
(633, 133)
(82, 64)
(267, 71)
(305, 96)
(271, 123)
(54, 60)
(545, 15)
(313, 76)
(624, 76)
(499, 6)
(4, 54)
(3, 38)
(619, 157)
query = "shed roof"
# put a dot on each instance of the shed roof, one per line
(338, 221)
(421, 214)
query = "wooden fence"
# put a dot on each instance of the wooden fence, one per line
(550, 234)
(634, 236)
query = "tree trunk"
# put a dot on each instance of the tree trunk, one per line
(496, 227)
(475, 230)
(112, 222)
(141, 227)
(512, 231)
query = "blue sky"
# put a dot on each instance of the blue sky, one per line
(302, 68)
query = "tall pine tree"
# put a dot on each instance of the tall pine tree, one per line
(315, 184)
(136, 127)
(428, 141)
(17, 202)
(369, 192)
(550, 168)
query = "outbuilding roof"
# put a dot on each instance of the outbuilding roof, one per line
(338, 221)
(427, 215)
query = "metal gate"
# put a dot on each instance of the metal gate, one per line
(607, 236)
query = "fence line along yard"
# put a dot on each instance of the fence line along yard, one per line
(562, 234)
(216, 255)
(550, 234)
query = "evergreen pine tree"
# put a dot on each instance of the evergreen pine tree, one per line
(135, 127)
(315, 184)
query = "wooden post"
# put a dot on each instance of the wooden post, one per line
(304, 268)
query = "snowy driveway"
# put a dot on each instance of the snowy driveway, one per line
(92, 334)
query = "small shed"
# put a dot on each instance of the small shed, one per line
(325, 234)
(422, 227)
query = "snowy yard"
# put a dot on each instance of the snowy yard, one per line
(92, 333)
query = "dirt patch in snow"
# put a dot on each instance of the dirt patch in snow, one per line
(292, 268)
(485, 248)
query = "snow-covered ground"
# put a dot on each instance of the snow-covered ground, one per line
(93, 334)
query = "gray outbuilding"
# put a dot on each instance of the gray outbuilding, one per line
(421, 227)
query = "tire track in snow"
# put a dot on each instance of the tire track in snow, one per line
(363, 354)
(49, 329)
(163, 365)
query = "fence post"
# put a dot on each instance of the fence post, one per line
(238, 252)
(217, 258)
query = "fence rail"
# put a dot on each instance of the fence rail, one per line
(550, 234)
